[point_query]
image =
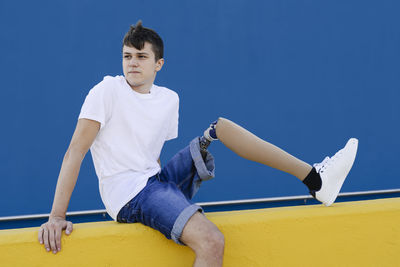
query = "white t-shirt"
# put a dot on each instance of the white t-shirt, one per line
(133, 130)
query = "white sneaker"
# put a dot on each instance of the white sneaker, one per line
(333, 172)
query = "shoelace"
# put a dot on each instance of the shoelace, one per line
(321, 167)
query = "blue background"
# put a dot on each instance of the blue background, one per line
(304, 75)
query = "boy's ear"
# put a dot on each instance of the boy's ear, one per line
(159, 64)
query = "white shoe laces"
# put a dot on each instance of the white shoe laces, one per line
(321, 167)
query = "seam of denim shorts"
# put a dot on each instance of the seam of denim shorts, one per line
(181, 221)
(201, 167)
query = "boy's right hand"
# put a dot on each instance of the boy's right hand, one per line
(50, 233)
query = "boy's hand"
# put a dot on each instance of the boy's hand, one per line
(50, 233)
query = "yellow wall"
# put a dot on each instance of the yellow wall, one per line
(364, 233)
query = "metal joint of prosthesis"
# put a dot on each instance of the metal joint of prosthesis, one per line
(209, 135)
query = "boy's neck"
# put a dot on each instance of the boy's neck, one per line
(141, 89)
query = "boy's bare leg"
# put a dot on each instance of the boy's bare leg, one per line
(253, 148)
(201, 235)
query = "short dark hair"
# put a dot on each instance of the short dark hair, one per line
(138, 35)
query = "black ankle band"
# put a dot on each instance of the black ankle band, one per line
(313, 180)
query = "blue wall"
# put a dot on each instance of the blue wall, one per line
(304, 75)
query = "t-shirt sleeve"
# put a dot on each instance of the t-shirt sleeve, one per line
(97, 105)
(173, 129)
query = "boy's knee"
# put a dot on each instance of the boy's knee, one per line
(203, 236)
(217, 240)
(213, 243)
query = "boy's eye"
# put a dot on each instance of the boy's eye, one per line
(127, 56)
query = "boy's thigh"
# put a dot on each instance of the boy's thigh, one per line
(179, 168)
(189, 168)
(163, 207)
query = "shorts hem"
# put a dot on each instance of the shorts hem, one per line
(181, 221)
(204, 169)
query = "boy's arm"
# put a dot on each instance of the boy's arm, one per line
(83, 137)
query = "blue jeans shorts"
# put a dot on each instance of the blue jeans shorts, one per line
(165, 202)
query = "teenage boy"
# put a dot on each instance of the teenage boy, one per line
(125, 121)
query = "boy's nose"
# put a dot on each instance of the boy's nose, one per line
(133, 62)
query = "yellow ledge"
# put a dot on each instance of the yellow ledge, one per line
(364, 233)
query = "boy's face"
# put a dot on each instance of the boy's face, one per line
(140, 67)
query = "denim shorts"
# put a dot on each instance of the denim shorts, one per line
(165, 203)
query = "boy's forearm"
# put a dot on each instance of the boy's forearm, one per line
(66, 182)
